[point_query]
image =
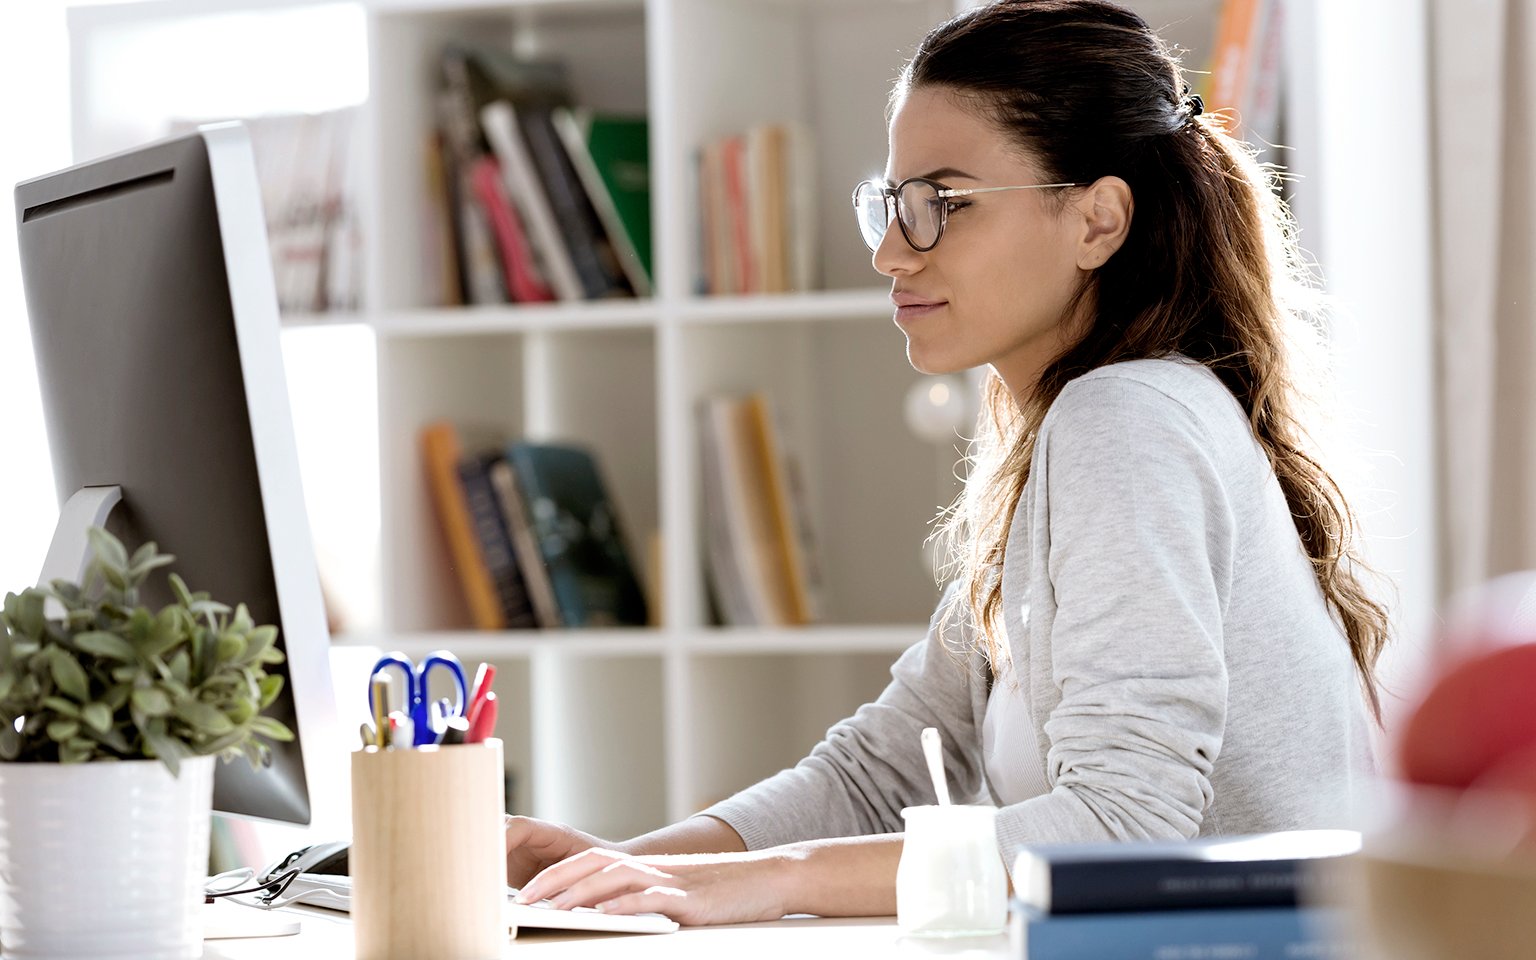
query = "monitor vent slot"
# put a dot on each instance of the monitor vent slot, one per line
(97, 195)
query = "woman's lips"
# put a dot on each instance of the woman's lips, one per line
(907, 313)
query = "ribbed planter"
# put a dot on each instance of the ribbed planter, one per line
(103, 860)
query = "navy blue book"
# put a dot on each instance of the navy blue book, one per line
(1258, 870)
(495, 543)
(577, 530)
(1264, 933)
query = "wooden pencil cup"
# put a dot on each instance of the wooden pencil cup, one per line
(428, 859)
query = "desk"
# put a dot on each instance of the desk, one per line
(328, 935)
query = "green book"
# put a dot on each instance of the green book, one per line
(611, 154)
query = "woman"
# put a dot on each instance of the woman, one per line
(1156, 626)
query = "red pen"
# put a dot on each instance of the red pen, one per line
(483, 677)
(484, 723)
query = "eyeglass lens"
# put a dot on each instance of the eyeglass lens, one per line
(918, 204)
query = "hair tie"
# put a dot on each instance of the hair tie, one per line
(1195, 103)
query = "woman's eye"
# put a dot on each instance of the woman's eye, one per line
(950, 206)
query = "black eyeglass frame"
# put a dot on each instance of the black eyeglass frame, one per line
(889, 195)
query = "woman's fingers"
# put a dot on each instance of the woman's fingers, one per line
(620, 877)
(668, 901)
(558, 877)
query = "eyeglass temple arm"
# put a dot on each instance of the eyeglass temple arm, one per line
(965, 192)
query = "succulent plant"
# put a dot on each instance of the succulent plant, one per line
(113, 680)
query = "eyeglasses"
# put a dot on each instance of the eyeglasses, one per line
(921, 208)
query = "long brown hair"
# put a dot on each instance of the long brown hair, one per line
(1210, 269)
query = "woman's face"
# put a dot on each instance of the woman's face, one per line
(1001, 277)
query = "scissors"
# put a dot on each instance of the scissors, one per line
(416, 704)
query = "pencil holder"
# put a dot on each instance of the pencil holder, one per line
(428, 859)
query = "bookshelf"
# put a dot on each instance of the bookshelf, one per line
(615, 731)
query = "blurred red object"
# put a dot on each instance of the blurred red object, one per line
(1477, 721)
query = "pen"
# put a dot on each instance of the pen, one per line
(485, 720)
(379, 702)
(483, 679)
(402, 730)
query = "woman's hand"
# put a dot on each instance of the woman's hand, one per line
(533, 845)
(692, 889)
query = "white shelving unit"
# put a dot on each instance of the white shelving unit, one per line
(621, 731)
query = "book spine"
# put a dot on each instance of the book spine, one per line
(725, 573)
(440, 450)
(524, 545)
(1173, 884)
(593, 255)
(1275, 933)
(499, 120)
(523, 286)
(573, 135)
(787, 552)
(495, 546)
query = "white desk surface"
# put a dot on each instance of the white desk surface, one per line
(326, 934)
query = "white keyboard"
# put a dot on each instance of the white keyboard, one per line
(335, 893)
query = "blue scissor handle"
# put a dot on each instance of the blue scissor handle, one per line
(416, 688)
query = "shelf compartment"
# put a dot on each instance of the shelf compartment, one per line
(603, 46)
(593, 388)
(870, 485)
(824, 67)
(753, 716)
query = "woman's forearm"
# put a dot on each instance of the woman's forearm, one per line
(700, 834)
(842, 877)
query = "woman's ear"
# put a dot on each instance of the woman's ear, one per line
(1106, 208)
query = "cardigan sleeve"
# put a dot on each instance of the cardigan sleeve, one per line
(1140, 565)
(869, 766)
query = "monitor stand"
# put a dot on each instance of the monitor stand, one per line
(70, 553)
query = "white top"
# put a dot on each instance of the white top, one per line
(1008, 750)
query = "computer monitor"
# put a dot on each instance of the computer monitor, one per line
(155, 328)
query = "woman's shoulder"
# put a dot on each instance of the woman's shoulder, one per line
(1175, 390)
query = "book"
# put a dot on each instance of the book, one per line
(464, 145)
(495, 543)
(1245, 66)
(523, 284)
(500, 123)
(726, 578)
(758, 547)
(441, 253)
(1260, 870)
(525, 546)
(579, 535)
(592, 252)
(611, 155)
(441, 453)
(787, 523)
(1263, 933)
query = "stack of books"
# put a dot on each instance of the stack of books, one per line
(1223, 898)
(533, 535)
(536, 198)
(757, 216)
(307, 167)
(760, 547)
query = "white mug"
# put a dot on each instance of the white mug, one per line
(951, 881)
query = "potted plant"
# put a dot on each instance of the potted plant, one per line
(111, 716)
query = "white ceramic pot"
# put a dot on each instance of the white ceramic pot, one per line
(103, 860)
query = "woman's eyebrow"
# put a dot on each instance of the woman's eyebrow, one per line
(942, 173)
